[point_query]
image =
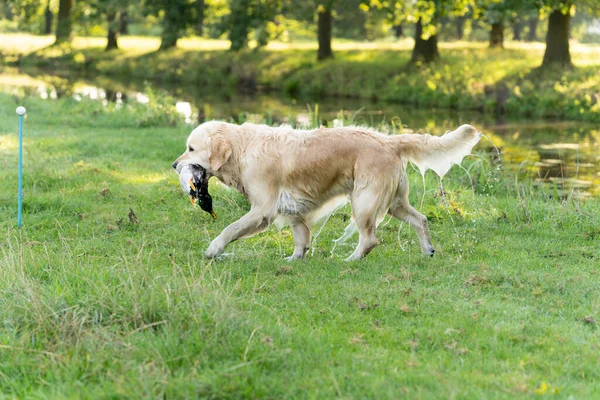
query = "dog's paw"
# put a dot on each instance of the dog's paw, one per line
(214, 250)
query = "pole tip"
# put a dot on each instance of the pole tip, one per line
(21, 110)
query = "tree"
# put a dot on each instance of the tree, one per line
(107, 11)
(246, 16)
(110, 9)
(175, 20)
(557, 39)
(48, 17)
(322, 13)
(429, 12)
(199, 5)
(532, 24)
(495, 13)
(392, 12)
(425, 49)
(460, 27)
(64, 25)
(517, 28)
(557, 52)
(350, 22)
(111, 20)
(30, 15)
(499, 13)
(426, 15)
(177, 16)
(124, 22)
(325, 25)
(497, 34)
(239, 22)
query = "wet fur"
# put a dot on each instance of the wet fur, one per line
(293, 175)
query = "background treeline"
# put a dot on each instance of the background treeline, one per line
(253, 23)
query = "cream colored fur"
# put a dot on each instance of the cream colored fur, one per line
(293, 174)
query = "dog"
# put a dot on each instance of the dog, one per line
(295, 176)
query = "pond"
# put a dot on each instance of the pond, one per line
(562, 154)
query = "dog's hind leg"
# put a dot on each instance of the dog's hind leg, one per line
(365, 211)
(301, 239)
(405, 212)
(402, 210)
(250, 224)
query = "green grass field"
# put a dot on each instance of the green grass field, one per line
(469, 76)
(100, 304)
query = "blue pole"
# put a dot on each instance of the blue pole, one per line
(20, 111)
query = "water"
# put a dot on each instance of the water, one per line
(565, 155)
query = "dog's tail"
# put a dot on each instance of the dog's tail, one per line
(438, 153)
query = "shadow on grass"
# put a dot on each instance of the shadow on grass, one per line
(552, 93)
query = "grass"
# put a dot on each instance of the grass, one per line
(470, 75)
(98, 304)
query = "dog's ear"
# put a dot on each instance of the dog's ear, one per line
(220, 152)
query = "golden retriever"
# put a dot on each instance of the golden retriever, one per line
(294, 175)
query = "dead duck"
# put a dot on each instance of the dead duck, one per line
(194, 182)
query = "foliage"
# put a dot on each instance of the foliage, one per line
(251, 15)
(159, 110)
(498, 11)
(428, 11)
(177, 16)
(28, 13)
(426, 14)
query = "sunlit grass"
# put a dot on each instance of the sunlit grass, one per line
(8, 143)
(22, 43)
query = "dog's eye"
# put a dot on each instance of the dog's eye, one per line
(190, 149)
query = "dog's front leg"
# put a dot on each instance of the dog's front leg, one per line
(250, 224)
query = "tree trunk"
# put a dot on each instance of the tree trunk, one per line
(170, 33)
(124, 22)
(557, 40)
(64, 26)
(424, 50)
(442, 22)
(324, 24)
(460, 28)
(48, 19)
(200, 16)
(532, 34)
(239, 25)
(497, 35)
(168, 40)
(517, 28)
(112, 30)
(398, 31)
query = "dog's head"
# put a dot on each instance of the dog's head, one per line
(207, 146)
